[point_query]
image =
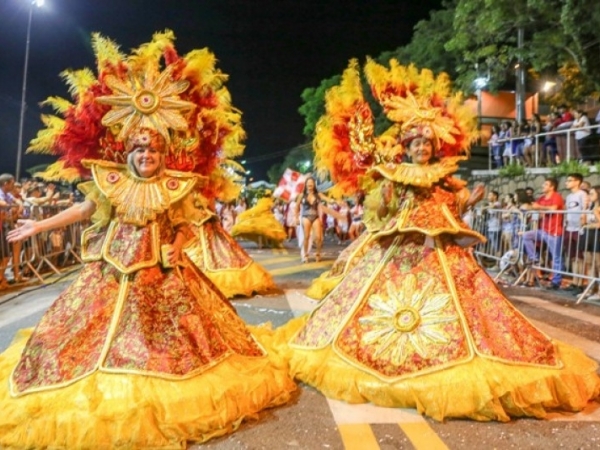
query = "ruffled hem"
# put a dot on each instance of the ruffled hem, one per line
(481, 389)
(261, 239)
(114, 411)
(323, 285)
(247, 281)
(266, 226)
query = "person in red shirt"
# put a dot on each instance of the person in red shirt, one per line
(550, 230)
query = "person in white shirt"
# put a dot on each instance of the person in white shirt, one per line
(493, 221)
(582, 137)
(575, 203)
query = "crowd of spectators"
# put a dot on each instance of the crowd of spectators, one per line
(555, 232)
(25, 199)
(544, 143)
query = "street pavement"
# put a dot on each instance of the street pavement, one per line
(311, 421)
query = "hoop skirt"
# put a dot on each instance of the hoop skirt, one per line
(259, 224)
(132, 354)
(417, 323)
(225, 262)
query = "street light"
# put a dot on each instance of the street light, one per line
(38, 3)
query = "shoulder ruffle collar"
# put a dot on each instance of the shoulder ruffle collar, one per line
(139, 200)
(418, 175)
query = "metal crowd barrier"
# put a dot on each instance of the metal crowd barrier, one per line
(42, 255)
(518, 246)
(565, 145)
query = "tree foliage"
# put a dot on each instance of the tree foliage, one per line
(427, 46)
(557, 33)
(295, 160)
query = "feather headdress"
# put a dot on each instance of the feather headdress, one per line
(417, 102)
(182, 98)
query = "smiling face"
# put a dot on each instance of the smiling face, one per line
(147, 161)
(420, 150)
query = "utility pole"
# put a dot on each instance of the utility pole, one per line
(520, 68)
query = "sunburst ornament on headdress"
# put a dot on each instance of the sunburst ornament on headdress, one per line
(422, 104)
(147, 101)
(420, 117)
(182, 98)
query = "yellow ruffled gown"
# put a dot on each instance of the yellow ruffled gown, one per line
(134, 355)
(223, 260)
(259, 224)
(417, 323)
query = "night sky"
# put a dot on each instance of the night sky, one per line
(271, 49)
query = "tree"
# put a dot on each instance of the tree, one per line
(557, 32)
(427, 46)
(295, 160)
(574, 87)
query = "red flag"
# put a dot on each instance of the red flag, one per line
(290, 185)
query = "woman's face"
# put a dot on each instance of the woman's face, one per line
(593, 195)
(310, 185)
(146, 161)
(420, 150)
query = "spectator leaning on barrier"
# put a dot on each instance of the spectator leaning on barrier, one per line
(11, 211)
(505, 135)
(35, 198)
(582, 137)
(550, 230)
(5, 213)
(531, 150)
(494, 223)
(495, 147)
(521, 131)
(564, 122)
(590, 240)
(510, 222)
(576, 202)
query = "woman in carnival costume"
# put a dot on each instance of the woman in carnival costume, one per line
(258, 224)
(417, 322)
(141, 351)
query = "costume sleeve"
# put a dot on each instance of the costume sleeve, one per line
(374, 204)
(103, 211)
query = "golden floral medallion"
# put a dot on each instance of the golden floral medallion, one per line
(406, 320)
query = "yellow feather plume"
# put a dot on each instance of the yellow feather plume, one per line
(148, 55)
(44, 141)
(58, 172)
(78, 81)
(107, 52)
(58, 104)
